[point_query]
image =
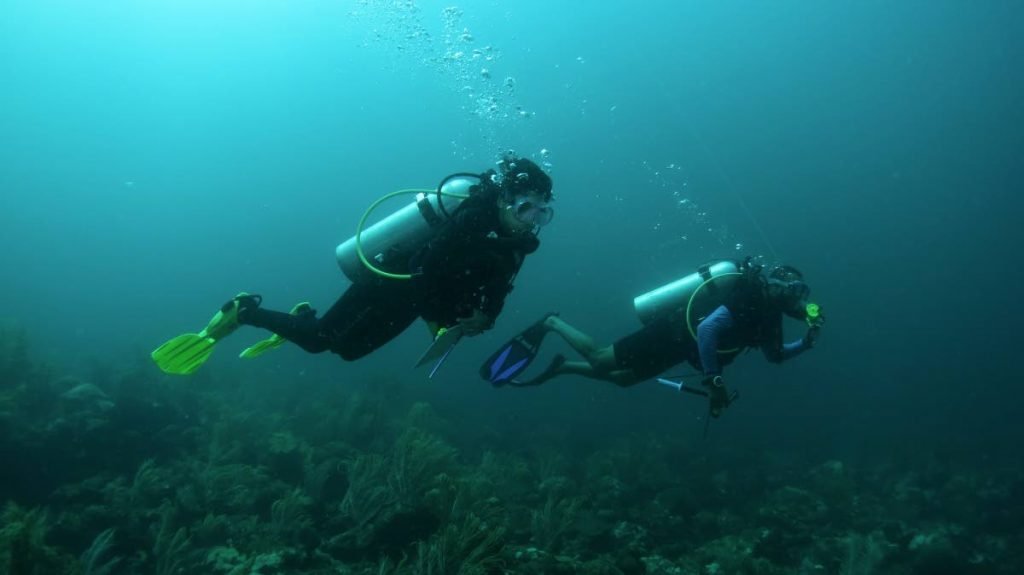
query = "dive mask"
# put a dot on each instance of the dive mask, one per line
(791, 295)
(531, 212)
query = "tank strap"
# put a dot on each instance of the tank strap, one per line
(705, 275)
(427, 211)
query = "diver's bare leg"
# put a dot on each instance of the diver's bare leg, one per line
(601, 359)
(558, 367)
(577, 368)
(620, 377)
(599, 364)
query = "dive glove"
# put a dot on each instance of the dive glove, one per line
(811, 337)
(717, 394)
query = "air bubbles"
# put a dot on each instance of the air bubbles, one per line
(545, 156)
(685, 215)
(470, 65)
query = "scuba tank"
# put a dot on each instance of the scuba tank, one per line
(393, 239)
(698, 293)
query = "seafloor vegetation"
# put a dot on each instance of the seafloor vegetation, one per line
(122, 471)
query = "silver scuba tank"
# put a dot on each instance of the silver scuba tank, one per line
(717, 280)
(402, 232)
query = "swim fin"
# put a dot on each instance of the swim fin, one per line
(516, 355)
(187, 352)
(274, 341)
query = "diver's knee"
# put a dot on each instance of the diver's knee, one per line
(602, 359)
(625, 378)
(312, 346)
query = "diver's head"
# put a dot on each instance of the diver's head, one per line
(787, 290)
(525, 198)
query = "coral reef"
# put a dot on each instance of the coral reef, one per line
(117, 473)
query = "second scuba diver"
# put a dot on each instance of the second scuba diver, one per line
(705, 319)
(455, 271)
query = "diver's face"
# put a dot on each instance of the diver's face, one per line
(524, 213)
(790, 297)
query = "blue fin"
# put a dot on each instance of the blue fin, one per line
(514, 356)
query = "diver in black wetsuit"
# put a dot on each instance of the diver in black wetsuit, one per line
(461, 277)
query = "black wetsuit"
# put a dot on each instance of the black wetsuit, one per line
(468, 265)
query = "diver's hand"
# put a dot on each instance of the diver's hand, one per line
(717, 394)
(475, 324)
(811, 337)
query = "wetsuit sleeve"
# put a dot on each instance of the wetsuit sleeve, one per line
(779, 352)
(709, 333)
(507, 261)
(793, 349)
(494, 297)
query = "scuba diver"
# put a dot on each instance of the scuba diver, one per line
(705, 319)
(451, 255)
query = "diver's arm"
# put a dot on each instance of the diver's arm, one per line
(794, 348)
(709, 332)
(787, 351)
(477, 323)
(509, 257)
(494, 291)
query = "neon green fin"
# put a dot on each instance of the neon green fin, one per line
(183, 354)
(187, 352)
(224, 322)
(274, 341)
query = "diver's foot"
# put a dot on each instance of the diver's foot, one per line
(244, 305)
(550, 321)
(537, 330)
(550, 371)
(227, 319)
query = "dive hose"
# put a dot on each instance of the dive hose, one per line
(382, 199)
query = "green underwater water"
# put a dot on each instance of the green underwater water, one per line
(157, 157)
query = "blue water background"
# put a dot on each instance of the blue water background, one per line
(157, 157)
